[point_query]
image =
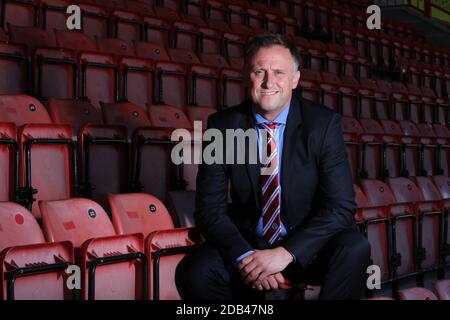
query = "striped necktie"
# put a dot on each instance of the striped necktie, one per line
(270, 186)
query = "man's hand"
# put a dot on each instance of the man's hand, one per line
(258, 266)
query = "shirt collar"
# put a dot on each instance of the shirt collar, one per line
(281, 118)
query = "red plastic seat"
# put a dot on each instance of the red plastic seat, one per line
(164, 250)
(185, 36)
(173, 83)
(126, 114)
(74, 40)
(104, 164)
(210, 40)
(234, 44)
(233, 88)
(204, 86)
(151, 51)
(200, 114)
(377, 106)
(402, 219)
(214, 60)
(99, 78)
(183, 56)
(8, 155)
(112, 266)
(53, 13)
(127, 25)
(76, 113)
(138, 213)
(95, 20)
(56, 76)
(216, 10)
(157, 30)
(442, 288)
(29, 260)
(352, 130)
(416, 294)
(15, 66)
(22, 109)
(309, 85)
(20, 13)
(168, 14)
(415, 148)
(137, 74)
(31, 37)
(140, 7)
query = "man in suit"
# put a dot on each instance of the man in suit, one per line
(291, 213)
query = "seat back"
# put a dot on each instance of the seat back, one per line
(417, 293)
(138, 213)
(32, 37)
(22, 109)
(15, 66)
(8, 162)
(173, 84)
(165, 116)
(176, 243)
(125, 113)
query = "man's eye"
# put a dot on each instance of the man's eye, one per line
(279, 72)
(259, 72)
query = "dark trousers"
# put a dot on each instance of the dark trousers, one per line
(339, 268)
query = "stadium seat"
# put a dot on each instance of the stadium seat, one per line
(183, 56)
(157, 30)
(9, 154)
(200, 114)
(414, 150)
(137, 74)
(234, 44)
(76, 113)
(210, 40)
(164, 250)
(379, 104)
(138, 213)
(442, 183)
(30, 268)
(151, 51)
(185, 36)
(352, 130)
(20, 13)
(53, 14)
(372, 140)
(113, 266)
(74, 40)
(403, 222)
(99, 78)
(22, 109)
(416, 294)
(233, 88)
(168, 14)
(127, 25)
(125, 114)
(428, 215)
(95, 20)
(57, 74)
(31, 37)
(442, 288)
(15, 69)
(430, 150)
(172, 84)
(308, 87)
(204, 86)
(376, 227)
(104, 161)
(402, 156)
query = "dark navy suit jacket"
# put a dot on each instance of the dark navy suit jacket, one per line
(317, 186)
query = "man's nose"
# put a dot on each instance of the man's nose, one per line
(268, 80)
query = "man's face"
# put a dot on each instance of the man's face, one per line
(272, 78)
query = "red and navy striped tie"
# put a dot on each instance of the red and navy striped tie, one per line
(270, 186)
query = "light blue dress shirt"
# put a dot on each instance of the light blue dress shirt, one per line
(279, 139)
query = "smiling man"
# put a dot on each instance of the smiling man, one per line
(291, 214)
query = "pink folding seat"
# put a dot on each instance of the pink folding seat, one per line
(27, 262)
(75, 113)
(136, 74)
(127, 25)
(19, 13)
(185, 36)
(53, 13)
(113, 267)
(157, 30)
(9, 158)
(416, 293)
(95, 20)
(15, 69)
(210, 40)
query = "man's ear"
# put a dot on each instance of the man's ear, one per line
(296, 79)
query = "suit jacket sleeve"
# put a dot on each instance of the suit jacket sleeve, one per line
(211, 214)
(335, 191)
